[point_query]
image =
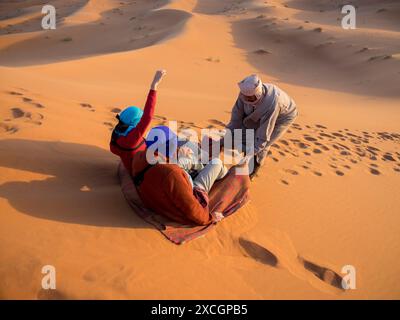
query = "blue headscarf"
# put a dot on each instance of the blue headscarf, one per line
(129, 117)
(163, 139)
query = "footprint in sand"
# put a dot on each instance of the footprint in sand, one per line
(327, 275)
(88, 106)
(326, 135)
(292, 172)
(301, 145)
(311, 139)
(363, 50)
(258, 252)
(15, 93)
(217, 122)
(34, 117)
(211, 59)
(32, 102)
(388, 157)
(388, 136)
(261, 52)
(8, 128)
(339, 173)
(284, 142)
(109, 125)
(51, 294)
(38, 105)
(374, 171)
(18, 113)
(265, 256)
(296, 126)
(380, 57)
(357, 147)
(115, 110)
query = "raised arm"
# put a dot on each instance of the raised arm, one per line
(148, 112)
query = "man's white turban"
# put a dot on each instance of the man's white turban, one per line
(252, 86)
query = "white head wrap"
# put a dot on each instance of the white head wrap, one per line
(252, 86)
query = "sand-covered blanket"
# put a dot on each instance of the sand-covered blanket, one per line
(226, 196)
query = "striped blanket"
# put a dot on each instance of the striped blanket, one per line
(226, 196)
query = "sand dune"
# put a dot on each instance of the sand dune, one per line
(90, 12)
(306, 50)
(25, 16)
(381, 15)
(326, 198)
(137, 25)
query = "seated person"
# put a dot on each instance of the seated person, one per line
(166, 188)
(128, 136)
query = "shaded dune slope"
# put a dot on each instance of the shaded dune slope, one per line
(131, 26)
(302, 42)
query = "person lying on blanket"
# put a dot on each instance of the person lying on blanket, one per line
(128, 135)
(166, 188)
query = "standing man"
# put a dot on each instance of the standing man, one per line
(266, 109)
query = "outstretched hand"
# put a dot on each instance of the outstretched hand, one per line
(243, 166)
(217, 217)
(157, 78)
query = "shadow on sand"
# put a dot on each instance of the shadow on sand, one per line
(81, 186)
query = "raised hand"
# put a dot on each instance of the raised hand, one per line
(157, 78)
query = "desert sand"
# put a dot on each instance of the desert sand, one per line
(327, 197)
